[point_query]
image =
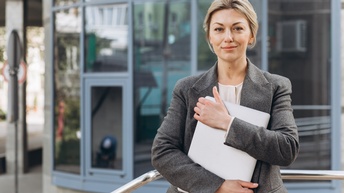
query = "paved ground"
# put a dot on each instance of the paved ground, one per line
(27, 183)
(32, 181)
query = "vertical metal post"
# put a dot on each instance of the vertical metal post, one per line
(14, 57)
(166, 55)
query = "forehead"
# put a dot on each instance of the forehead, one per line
(228, 16)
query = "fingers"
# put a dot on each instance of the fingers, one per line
(248, 184)
(217, 95)
(236, 186)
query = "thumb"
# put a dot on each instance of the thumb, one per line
(248, 184)
(217, 95)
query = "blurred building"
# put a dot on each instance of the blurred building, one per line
(111, 65)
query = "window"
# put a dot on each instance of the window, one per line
(106, 127)
(67, 90)
(106, 38)
(161, 57)
(300, 49)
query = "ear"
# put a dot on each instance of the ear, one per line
(251, 41)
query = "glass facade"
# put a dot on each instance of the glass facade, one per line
(299, 48)
(106, 38)
(115, 63)
(161, 57)
(66, 79)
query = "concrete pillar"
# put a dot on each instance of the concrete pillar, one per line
(342, 84)
(15, 21)
(48, 90)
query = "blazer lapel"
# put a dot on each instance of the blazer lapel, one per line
(256, 92)
(203, 86)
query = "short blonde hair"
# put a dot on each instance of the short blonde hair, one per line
(242, 6)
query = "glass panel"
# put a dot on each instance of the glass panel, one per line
(299, 40)
(106, 38)
(67, 90)
(205, 57)
(107, 118)
(161, 56)
(255, 53)
(3, 89)
(64, 2)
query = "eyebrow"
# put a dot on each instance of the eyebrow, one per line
(236, 23)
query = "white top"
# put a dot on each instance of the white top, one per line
(230, 93)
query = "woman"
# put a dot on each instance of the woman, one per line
(231, 26)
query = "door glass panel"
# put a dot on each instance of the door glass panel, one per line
(205, 57)
(106, 43)
(161, 57)
(299, 48)
(106, 127)
(67, 90)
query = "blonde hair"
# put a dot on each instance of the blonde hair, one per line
(242, 6)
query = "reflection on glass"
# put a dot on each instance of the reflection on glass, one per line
(106, 38)
(205, 57)
(292, 53)
(67, 90)
(64, 2)
(3, 103)
(255, 53)
(161, 57)
(106, 116)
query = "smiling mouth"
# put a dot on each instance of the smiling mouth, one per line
(229, 47)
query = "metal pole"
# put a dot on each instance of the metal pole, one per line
(16, 157)
(14, 57)
(166, 55)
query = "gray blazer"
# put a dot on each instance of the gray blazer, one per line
(275, 146)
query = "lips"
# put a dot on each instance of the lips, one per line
(229, 47)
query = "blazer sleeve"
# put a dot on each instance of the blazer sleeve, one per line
(169, 156)
(279, 143)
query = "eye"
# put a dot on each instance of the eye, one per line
(238, 28)
(218, 29)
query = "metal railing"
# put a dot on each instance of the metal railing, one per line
(138, 182)
(286, 175)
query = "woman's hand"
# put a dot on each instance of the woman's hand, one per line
(236, 186)
(213, 114)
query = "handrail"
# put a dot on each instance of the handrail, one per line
(138, 182)
(312, 175)
(286, 175)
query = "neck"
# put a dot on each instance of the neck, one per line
(232, 73)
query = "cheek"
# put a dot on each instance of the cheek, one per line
(214, 40)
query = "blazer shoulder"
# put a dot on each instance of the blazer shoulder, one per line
(277, 80)
(187, 82)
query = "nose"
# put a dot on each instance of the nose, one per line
(229, 36)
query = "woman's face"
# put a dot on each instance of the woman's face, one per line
(229, 35)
